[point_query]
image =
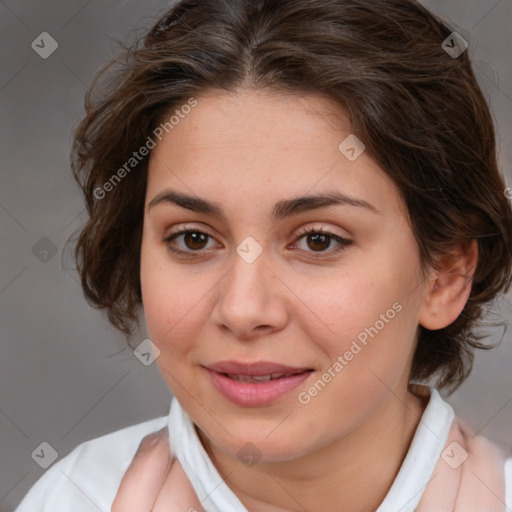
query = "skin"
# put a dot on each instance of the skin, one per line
(343, 449)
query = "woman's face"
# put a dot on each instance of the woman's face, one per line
(342, 312)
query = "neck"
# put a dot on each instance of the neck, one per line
(353, 474)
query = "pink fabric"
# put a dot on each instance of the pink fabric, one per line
(472, 484)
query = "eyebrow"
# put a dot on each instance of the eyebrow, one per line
(282, 209)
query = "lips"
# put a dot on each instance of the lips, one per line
(255, 384)
(262, 368)
(257, 378)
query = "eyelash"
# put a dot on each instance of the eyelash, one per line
(343, 242)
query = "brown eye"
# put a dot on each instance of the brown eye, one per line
(192, 241)
(195, 240)
(319, 241)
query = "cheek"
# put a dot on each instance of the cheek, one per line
(176, 303)
(371, 316)
(347, 305)
(163, 306)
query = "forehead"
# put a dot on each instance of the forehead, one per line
(253, 146)
(250, 117)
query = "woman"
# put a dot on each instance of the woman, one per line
(302, 199)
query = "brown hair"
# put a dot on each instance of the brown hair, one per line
(418, 110)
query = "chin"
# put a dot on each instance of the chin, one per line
(264, 452)
(256, 442)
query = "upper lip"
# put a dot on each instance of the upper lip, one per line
(258, 368)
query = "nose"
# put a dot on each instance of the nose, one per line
(251, 300)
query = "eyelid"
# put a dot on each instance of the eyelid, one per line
(318, 228)
(181, 228)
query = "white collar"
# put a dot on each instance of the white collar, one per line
(404, 495)
(212, 491)
(419, 463)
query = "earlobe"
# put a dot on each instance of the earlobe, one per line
(449, 287)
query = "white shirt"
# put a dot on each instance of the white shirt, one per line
(88, 478)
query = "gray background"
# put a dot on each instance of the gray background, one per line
(65, 377)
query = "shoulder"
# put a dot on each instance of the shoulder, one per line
(491, 461)
(87, 479)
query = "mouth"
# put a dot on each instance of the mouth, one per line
(260, 378)
(258, 368)
(255, 384)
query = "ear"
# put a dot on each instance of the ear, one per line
(449, 287)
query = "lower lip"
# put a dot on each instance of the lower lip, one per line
(254, 394)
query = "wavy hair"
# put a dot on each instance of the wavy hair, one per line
(420, 113)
